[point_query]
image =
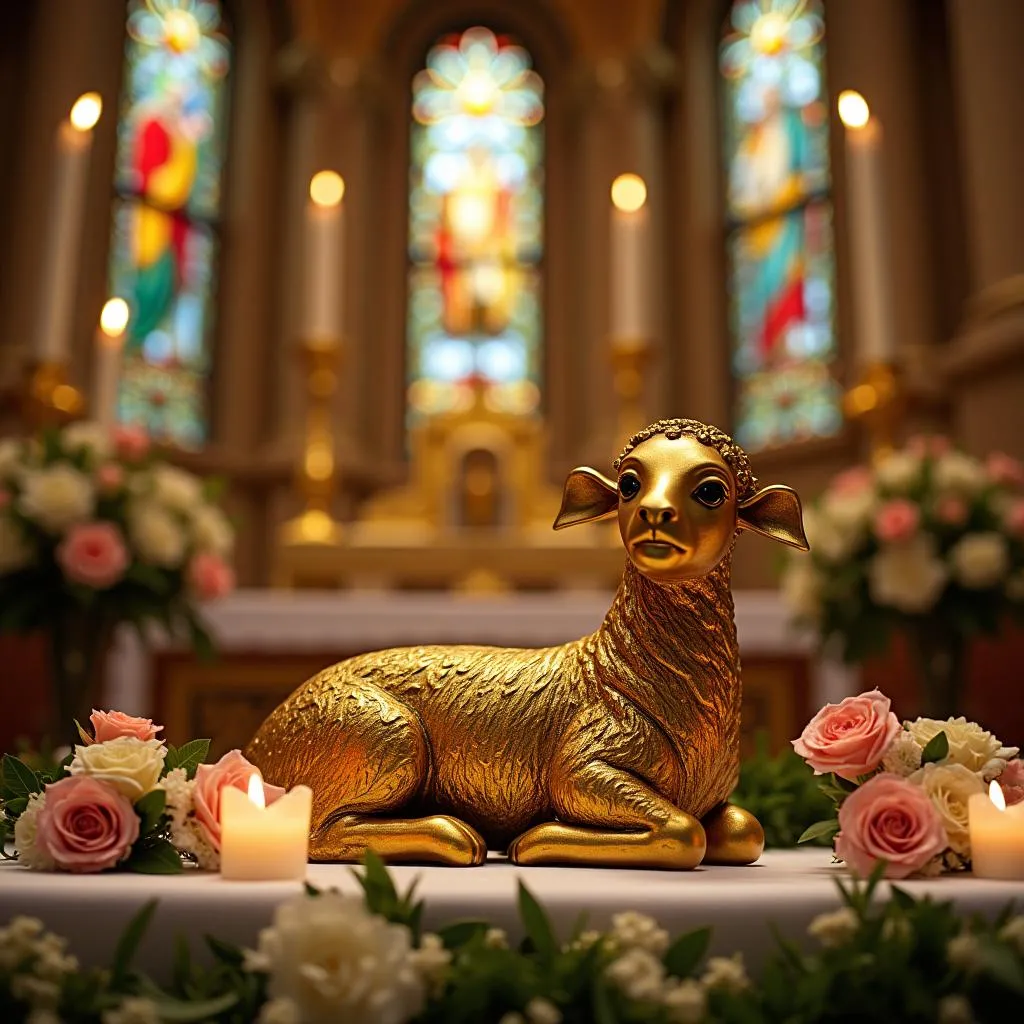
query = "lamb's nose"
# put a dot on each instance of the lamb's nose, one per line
(657, 516)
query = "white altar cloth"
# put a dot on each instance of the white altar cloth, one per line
(787, 888)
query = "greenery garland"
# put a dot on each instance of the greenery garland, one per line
(329, 957)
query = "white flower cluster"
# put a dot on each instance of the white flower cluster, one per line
(186, 832)
(38, 961)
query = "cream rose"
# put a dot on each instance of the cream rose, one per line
(15, 551)
(850, 513)
(969, 744)
(93, 438)
(959, 474)
(211, 531)
(827, 539)
(57, 497)
(155, 535)
(980, 560)
(907, 576)
(950, 786)
(176, 489)
(898, 471)
(132, 766)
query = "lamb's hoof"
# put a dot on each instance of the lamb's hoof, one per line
(734, 836)
(457, 843)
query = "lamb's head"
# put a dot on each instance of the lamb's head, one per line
(683, 490)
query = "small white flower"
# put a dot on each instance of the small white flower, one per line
(903, 757)
(11, 458)
(15, 551)
(37, 992)
(726, 973)
(57, 497)
(1013, 932)
(896, 929)
(432, 961)
(964, 951)
(176, 489)
(639, 974)
(956, 473)
(496, 938)
(133, 1010)
(187, 834)
(94, 438)
(543, 1011)
(43, 1017)
(279, 1011)
(955, 1009)
(211, 531)
(980, 560)
(834, 929)
(631, 930)
(155, 534)
(908, 577)
(685, 1001)
(29, 853)
(898, 471)
(828, 539)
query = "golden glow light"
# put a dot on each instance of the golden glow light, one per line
(257, 794)
(114, 317)
(854, 111)
(629, 192)
(86, 111)
(995, 793)
(326, 188)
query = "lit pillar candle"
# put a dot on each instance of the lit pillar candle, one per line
(997, 835)
(629, 270)
(261, 843)
(63, 241)
(107, 360)
(869, 251)
(324, 224)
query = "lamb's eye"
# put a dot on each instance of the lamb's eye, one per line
(711, 493)
(629, 485)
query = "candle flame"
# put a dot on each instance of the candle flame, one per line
(854, 111)
(326, 188)
(629, 192)
(86, 111)
(114, 317)
(257, 794)
(995, 793)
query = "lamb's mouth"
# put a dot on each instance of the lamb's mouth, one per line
(658, 550)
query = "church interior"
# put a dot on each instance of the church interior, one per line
(388, 271)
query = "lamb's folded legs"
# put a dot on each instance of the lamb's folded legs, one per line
(734, 835)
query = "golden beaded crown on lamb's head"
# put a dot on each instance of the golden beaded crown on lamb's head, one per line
(735, 457)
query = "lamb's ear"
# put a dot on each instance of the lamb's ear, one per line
(587, 495)
(775, 512)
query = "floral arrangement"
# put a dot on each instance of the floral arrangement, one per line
(928, 542)
(900, 792)
(330, 957)
(96, 530)
(122, 799)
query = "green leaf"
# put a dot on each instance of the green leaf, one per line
(188, 756)
(149, 577)
(461, 933)
(199, 638)
(820, 830)
(155, 857)
(13, 808)
(127, 945)
(182, 966)
(536, 923)
(1000, 964)
(604, 1011)
(381, 895)
(225, 952)
(902, 898)
(936, 748)
(151, 809)
(686, 952)
(311, 890)
(181, 1011)
(18, 778)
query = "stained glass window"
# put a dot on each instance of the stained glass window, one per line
(172, 133)
(779, 217)
(476, 209)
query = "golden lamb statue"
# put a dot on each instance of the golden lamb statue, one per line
(618, 749)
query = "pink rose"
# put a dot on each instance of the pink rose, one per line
(951, 510)
(1005, 470)
(897, 521)
(849, 738)
(85, 825)
(1014, 520)
(109, 477)
(211, 577)
(94, 554)
(1012, 781)
(109, 725)
(889, 819)
(851, 481)
(934, 445)
(231, 770)
(131, 443)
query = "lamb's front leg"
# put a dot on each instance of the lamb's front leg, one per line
(610, 816)
(734, 835)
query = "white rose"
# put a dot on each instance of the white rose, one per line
(336, 961)
(950, 786)
(956, 473)
(25, 829)
(176, 489)
(132, 766)
(640, 974)
(801, 587)
(432, 961)
(726, 973)
(212, 531)
(15, 551)
(850, 513)
(980, 560)
(907, 576)
(155, 534)
(969, 744)
(94, 438)
(827, 539)
(898, 471)
(57, 497)
(835, 928)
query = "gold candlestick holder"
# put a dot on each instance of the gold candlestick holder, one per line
(49, 400)
(876, 403)
(630, 357)
(317, 473)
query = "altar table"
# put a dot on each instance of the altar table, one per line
(787, 888)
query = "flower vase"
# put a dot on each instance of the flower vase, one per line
(940, 654)
(79, 642)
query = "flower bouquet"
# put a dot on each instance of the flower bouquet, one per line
(96, 530)
(929, 543)
(901, 791)
(123, 799)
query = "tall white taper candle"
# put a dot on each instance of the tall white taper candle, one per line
(323, 270)
(107, 360)
(63, 240)
(866, 214)
(629, 269)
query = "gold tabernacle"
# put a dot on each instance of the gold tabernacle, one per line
(617, 749)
